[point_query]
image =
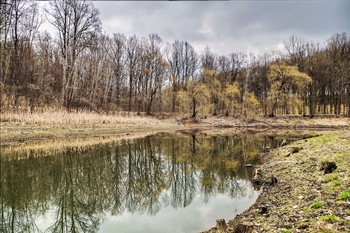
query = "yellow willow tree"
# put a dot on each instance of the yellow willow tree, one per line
(195, 98)
(287, 86)
(251, 103)
(210, 79)
(231, 98)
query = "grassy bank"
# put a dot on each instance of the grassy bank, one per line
(304, 199)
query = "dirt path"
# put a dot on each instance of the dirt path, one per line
(305, 199)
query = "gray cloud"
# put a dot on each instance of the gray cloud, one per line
(228, 26)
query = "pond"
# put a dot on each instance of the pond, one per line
(159, 184)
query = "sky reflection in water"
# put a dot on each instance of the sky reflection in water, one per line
(197, 216)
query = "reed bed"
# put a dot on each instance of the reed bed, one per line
(63, 117)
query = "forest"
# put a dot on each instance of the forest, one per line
(79, 67)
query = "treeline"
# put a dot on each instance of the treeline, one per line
(82, 68)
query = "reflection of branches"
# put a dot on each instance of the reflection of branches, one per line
(18, 206)
(183, 185)
(74, 216)
(17, 219)
(75, 213)
(181, 179)
(132, 175)
(145, 178)
(116, 166)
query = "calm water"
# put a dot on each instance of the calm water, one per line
(155, 184)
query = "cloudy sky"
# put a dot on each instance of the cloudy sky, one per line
(256, 26)
(228, 26)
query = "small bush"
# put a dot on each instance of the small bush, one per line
(345, 196)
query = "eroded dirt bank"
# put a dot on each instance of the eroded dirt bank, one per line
(305, 199)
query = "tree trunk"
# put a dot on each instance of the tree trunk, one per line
(194, 112)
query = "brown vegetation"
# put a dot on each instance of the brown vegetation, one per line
(58, 124)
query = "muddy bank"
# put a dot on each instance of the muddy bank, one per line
(305, 198)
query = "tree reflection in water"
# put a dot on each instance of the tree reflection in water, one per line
(80, 185)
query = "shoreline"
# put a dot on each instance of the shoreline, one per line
(26, 131)
(304, 199)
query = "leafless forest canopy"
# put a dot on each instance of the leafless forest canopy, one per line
(79, 67)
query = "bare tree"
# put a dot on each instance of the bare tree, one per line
(183, 61)
(338, 51)
(296, 51)
(117, 53)
(76, 22)
(209, 60)
(132, 57)
(155, 70)
(18, 25)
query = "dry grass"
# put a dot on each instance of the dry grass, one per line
(61, 124)
(63, 117)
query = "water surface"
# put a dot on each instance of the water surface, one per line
(155, 184)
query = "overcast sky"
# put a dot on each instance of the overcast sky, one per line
(227, 26)
(256, 26)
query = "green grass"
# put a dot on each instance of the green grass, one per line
(331, 176)
(329, 218)
(337, 183)
(286, 231)
(345, 196)
(317, 205)
(326, 139)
